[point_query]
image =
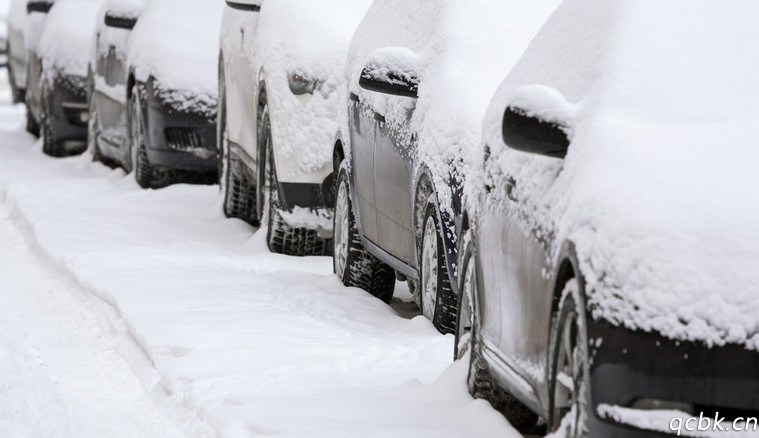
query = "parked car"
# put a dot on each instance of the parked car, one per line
(4, 10)
(172, 92)
(57, 74)
(37, 11)
(420, 77)
(298, 62)
(15, 48)
(107, 83)
(610, 255)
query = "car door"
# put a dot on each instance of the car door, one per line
(394, 153)
(240, 24)
(362, 135)
(111, 77)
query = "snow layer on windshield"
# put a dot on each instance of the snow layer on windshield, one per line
(459, 51)
(65, 42)
(310, 39)
(657, 191)
(177, 43)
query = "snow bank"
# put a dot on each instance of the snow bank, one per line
(311, 39)
(658, 189)
(177, 43)
(65, 42)
(459, 51)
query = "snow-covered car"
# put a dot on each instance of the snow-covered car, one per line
(57, 73)
(299, 53)
(421, 76)
(34, 23)
(172, 92)
(15, 48)
(107, 83)
(610, 255)
(4, 10)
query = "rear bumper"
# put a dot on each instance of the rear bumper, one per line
(629, 366)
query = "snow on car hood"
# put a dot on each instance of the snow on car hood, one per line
(65, 41)
(460, 51)
(658, 190)
(311, 39)
(177, 43)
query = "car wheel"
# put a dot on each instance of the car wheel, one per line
(351, 262)
(570, 378)
(469, 341)
(438, 303)
(281, 237)
(147, 175)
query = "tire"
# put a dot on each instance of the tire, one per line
(351, 262)
(147, 175)
(32, 126)
(280, 236)
(438, 302)
(469, 340)
(50, 146)
(569, 353)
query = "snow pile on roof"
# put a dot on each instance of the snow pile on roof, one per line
(459, 51)
(311, 39)
(65, 41)
(177, 43)
(658, 191)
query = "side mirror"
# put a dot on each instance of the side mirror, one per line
(379, 79)
(42, 6)
(537, 120)
(391, 70)
(120, 22)
(245, 5)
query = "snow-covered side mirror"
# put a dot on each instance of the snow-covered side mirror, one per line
(538, 120)
(113, 19)
(42, 6)
(245, 5)
(391, 71)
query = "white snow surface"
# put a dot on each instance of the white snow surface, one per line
(460, 51)
(16, 15)
(309, 38)
(237, 339)
(177, 43)
(64, 45)
(657, 191)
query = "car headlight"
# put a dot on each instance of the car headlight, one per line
(302, 84)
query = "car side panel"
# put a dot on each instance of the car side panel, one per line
(362, 129)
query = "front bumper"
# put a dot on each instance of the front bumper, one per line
(67, 112)
(628, 367)
(179, 139)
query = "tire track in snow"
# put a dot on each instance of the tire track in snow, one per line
(62, 373)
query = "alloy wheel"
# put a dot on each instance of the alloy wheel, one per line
(342, 228)
(429, 268)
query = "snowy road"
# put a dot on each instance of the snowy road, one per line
(126, 312)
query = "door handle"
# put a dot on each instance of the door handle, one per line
(354, 97)
(379, 117)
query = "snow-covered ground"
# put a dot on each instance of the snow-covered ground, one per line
(126, 312)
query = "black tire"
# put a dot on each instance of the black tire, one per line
(281, 237)
(239, 196)
(50, 146)
(147, 175)
(442, 308)
(570, 319)
(32, 126)
(351, 262)
(469, 340)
